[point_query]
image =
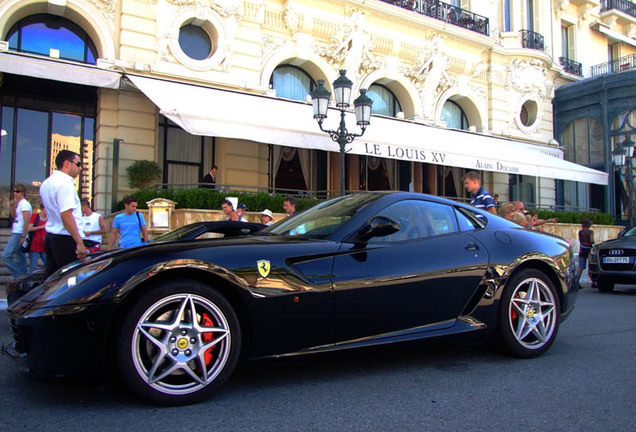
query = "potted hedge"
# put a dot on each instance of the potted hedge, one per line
(143, 174)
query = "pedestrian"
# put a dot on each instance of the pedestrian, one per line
(240, 210)
(63, 242)
(20, 210)
(586, 241)
(495, 197)
(507, 209)
(481, 198)
(209, 180)
(228, 209)
(37, 228)
(130, 224)
(534, 220)
(93, 226)
(289, 205)
(266, 217)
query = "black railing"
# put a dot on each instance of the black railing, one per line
(446, 12)
(616, 65)
(624, 6)
(571, 66)
(532, 40)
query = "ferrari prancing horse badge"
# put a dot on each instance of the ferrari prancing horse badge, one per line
(263, 267)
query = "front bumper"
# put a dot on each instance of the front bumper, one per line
(73, 343)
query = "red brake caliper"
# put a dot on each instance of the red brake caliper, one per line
(513, 312)
(206, 321)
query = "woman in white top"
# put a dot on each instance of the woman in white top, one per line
(20, 209)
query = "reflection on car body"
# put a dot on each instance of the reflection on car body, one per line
(372, 268)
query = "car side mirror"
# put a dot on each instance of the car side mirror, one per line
(379, 226)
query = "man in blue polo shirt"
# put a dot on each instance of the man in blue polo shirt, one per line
(481, 198)
(130, 224)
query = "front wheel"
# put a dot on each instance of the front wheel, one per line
(178, 343)
(605, 286)
(528, 314)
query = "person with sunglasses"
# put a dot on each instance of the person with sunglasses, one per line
(20, 210)
(63, 243)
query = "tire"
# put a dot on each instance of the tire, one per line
(605, 286)
(529, 314)
(164, 352)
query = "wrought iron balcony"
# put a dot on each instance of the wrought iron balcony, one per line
(571, 66)
(616, 65)
(532, 40)
(446, 12)
(624, 6)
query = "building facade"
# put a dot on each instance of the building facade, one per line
(457, 86)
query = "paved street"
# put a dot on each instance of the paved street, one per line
(584, 383)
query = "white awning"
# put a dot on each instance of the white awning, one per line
(213, 112)
(58, 70)
(616, 36)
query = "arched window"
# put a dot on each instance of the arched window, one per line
(39, 34)
(291, 82)
(384, 101)
(454, 116)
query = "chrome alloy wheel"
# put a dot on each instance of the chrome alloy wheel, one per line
(532, 313)
(181, 344)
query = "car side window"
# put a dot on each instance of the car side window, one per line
(418, 220)
(468, 223)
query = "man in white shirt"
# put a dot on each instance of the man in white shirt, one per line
(93, 226)
(63, 243)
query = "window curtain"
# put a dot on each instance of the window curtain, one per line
(305, 162)
(291, 83)
(457, 180)
(287, 154)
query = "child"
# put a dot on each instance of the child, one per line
(586, 240)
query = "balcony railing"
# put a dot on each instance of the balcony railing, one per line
(616, 65)
(532, 40)
(446, 12)
(571, 66)
(624, 6)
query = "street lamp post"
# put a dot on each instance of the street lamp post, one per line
(624, 155)
(362, 105)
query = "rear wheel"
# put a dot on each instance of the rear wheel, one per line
(178, 343)
(605, 286)
(528, 314)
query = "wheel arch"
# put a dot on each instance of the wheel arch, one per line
(133, 290)
(547, 269)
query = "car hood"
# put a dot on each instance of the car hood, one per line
(619, 242)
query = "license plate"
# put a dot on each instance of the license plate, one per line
(616, 260)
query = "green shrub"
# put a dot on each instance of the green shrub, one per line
(577, 218)
(142, 174)
(211, 200)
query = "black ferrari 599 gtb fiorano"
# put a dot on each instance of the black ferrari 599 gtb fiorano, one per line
(173, 318)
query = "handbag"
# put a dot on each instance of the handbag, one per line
(26, 245)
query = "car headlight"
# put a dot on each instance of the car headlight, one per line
(74, 278)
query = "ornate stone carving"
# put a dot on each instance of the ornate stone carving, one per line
(106, 7)
(429, 73)
(526, 76)
(351, 48)
(225, 8)
(293, 20)
(269, 44)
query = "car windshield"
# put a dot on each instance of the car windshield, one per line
(323, 219)
(630, 232)
(176, 234)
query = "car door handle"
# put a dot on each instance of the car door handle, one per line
(471, 247)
